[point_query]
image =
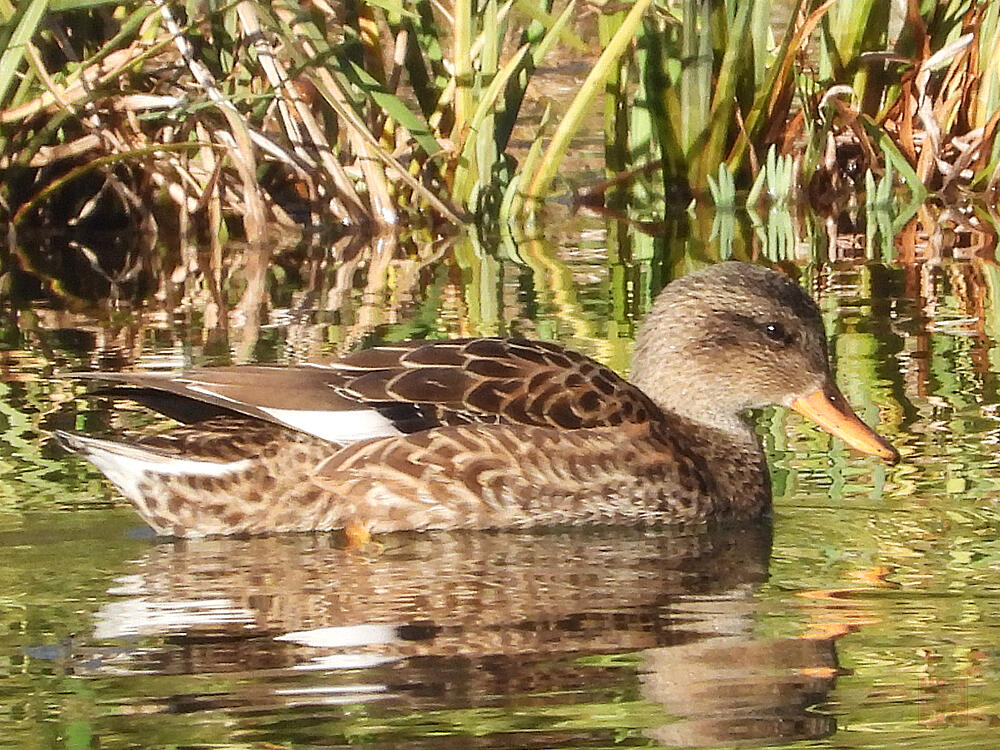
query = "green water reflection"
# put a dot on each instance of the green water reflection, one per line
(867, 617)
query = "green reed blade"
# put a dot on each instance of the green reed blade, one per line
(514, 199)
(61, 6)
(325, 82)
(659, 69)
(988, 100)
(462, 60)
(23, 25)
(767, 99)
(756, 189)
(760, 37)
(393, 106)
(553, 33)
(894, 156)
(640, 129)
(696, 73)
(540, 41)
(723, 101)
(487, 102)
(616, 106)
(883, 192)
(540, 181)
(483, 135)
(425, 91)
(723, 188)
(537, 12)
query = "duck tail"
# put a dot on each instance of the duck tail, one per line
(70, 442)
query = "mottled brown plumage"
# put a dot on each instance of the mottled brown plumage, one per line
(486, 433)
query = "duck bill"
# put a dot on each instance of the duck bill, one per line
(828, 408)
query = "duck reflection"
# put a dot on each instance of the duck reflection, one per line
(658, 624)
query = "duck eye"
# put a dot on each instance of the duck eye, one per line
(776, 332)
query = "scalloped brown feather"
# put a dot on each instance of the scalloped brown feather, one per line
(503, 381)
(508, 381)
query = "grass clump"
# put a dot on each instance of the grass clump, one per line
(371, 113)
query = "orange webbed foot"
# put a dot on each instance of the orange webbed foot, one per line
(358, 537)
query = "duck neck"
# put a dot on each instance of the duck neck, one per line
(698, 401)
(736, 473)
(732, 433)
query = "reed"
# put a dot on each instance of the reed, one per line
(243, 116)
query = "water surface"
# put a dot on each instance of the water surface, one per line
(864, 615)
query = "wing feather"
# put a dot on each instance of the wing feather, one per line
(414, 386)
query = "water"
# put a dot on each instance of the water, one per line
(865, 615)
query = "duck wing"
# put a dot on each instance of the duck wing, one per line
(299, 397)
(400, 389)
(495, 381)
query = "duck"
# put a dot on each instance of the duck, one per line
(489, 433)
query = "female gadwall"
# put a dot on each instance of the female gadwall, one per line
(485, 433)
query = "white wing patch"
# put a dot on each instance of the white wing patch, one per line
(336, 426)
(207, 390)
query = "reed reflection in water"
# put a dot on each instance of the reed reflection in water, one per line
(585, 638)
(653, 628)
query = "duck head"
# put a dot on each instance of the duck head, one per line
(735, 337)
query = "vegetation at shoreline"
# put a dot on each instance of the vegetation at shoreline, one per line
(230, 118)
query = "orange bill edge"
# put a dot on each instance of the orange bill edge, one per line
(828, 408)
